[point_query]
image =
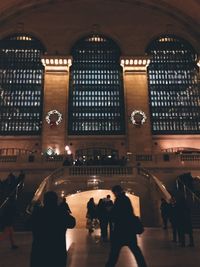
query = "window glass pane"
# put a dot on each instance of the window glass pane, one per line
(21, 85)
(173, 87)
(95, 77)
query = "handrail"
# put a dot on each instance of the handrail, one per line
(187, 189)
(43, 187)
(14, 191)
(46, 183)
(162, 189)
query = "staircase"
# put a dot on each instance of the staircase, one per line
(21, 220)
(192, 197)
(19, 200)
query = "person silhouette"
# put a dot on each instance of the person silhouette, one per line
(164, 208)
(91, 214)
(108, 205)
(7, 221)
(64, 205)
(123, 234)
(49, 224)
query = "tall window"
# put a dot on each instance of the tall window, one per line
(174, 91)
(96, 101)
(21, 85)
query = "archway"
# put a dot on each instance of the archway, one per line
(78, 203)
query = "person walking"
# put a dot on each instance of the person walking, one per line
(164, 208)
(91, 214)
(7, 221)
(49, 224)
(123, 234)
(108, 205)
(64, 205)
(173, 219)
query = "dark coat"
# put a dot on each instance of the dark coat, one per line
(49, 242)
(122, 214)
(8, 215)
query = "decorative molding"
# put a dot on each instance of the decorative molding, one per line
(56, 63)
(135, 64)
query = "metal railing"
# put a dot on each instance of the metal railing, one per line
(11, 194)
(161, 189)
(100, 170)
(44, 187)
(187, 191)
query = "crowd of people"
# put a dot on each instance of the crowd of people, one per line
(100, 214)
(116, 216)
(177, 213)
(95, 161)
(50, 221)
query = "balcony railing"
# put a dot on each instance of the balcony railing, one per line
(100, 170)
(164, 159)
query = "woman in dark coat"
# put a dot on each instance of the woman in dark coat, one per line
(91, 214)
(49, 225)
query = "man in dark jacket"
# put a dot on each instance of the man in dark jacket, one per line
(49, 225)
(123, 234)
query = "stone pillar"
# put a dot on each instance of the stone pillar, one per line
(56, 83)
(139, 136)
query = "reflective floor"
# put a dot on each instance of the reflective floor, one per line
(88, 251)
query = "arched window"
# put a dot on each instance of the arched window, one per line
(21, 85)
(96, 100)
(174, 92)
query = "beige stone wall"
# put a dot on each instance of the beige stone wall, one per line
(136, 98)
(30, 143)
(55, 98)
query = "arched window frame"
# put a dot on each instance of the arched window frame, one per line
(21, 85)
(96, 95)
(174, 91)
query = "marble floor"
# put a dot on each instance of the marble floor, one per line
(89, 251)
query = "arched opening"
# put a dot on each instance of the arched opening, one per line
(174, 92)
(78, 203)
(96, 97)
(21, 85)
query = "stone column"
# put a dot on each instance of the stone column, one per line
(139, 136)
(55, 109)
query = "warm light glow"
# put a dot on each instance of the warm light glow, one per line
(50, 151)
(57, 151)
(69, 62)
(78, 203)
(139, 62)
(66, 148)
(53, 62)
(62, 193)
